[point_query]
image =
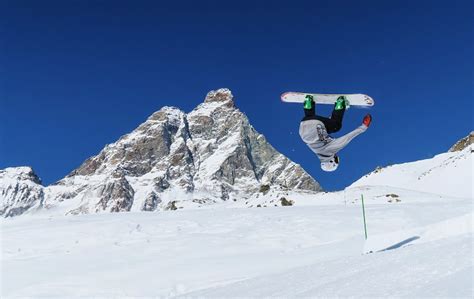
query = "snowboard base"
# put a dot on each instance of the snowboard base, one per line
(357, 99)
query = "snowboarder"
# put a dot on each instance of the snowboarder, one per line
(315, 130)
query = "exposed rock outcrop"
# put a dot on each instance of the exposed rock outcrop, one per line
(463, 143)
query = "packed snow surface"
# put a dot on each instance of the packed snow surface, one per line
(421, 244)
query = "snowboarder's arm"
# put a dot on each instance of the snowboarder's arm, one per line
(339, 143)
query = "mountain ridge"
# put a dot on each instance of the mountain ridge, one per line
(208, 155)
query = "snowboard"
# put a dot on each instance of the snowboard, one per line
(356, 99)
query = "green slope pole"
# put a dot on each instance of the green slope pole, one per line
(363, 214)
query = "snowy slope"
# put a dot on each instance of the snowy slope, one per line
(419, 220)
(448, 174)
(308, 250)
(420, 239)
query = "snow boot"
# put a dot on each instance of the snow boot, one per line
(309, 102)
(309, 106)
(341, 103)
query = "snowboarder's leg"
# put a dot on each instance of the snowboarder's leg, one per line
(332, 125)
(339, 143)
(338, 113)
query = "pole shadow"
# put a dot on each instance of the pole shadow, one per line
(400, 244)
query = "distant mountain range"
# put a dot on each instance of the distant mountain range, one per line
(209, 155)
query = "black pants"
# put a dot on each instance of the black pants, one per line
(332, 124)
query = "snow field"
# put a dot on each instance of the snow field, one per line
(300, 251)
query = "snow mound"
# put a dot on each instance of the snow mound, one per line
(446, 174)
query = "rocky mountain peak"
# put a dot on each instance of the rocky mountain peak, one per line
(165, 113)
(22, 173)
(20, 190)
(223, 95)
(463, 143)
(209, 155)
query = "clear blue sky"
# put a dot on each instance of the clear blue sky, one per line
(76, 75)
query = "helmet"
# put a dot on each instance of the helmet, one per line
(330, 165)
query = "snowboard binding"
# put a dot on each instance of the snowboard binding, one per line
(309, 106)
(309, 102)
(341, 103)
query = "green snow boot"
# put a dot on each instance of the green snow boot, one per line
(308, 102)
(341, 103)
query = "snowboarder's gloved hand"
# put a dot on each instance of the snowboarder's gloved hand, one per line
(367, 120)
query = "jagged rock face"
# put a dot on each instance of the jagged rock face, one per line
(136, 154)
(208, 155)
(463, 143)
(20, 190)
(151, 202)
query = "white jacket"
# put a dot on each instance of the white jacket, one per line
(314, 134)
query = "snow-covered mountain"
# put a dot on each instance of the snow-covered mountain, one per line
(419, 222)
(20, 190)
(210, 155)
(173, 159)
(446, 174)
